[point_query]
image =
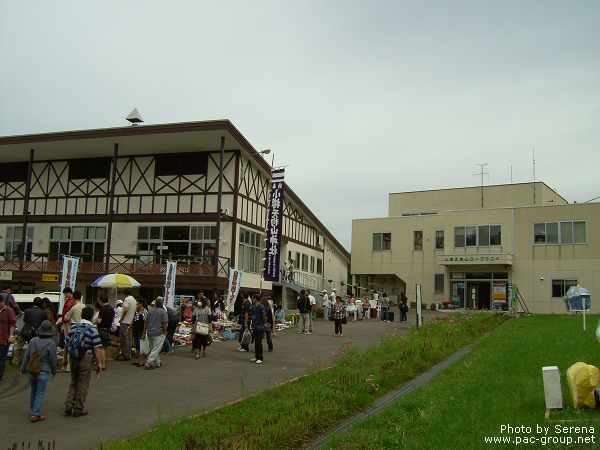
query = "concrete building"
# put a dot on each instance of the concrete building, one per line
(128, 199)
(466, 245)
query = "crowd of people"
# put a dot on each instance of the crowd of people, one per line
(81, 334)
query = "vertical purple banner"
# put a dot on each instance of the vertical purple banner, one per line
(274, 226)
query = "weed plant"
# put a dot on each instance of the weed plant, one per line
(289, 415)
(496, 386)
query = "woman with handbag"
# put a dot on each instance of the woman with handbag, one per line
(202, 320)
(338, 310)
(47, 364)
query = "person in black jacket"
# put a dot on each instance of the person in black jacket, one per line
(245, 317)
(32, 319)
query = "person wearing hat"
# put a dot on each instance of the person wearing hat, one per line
(116, 321)
(44, 343)
(325, 305)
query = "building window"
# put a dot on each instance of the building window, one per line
(297, 261)
(478, 236)
(14, 238)
(319, 266)
(438, 283)
(86, 242)
(561, 286)
(382, 242)
(197, 241)
(571, 232)
(250, 251)
(439, 239)
(312, 264)
(305, 262)
(418, 240)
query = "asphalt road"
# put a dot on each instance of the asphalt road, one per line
(127, 400)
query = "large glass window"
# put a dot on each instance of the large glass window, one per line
(14, 239)
(568, 232)
(382, 242)
(86, 242)
(190, 243)
(561, 286)
(478, 236)
(250, 251)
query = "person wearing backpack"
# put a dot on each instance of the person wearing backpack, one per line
(39, 361)
(83, 339)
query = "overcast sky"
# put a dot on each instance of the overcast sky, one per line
(357, 98)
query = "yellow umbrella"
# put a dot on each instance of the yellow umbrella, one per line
(113, 280)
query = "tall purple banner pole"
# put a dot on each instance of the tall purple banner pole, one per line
(274, 227)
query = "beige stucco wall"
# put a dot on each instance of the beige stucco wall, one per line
(441, 200)
(525, 262)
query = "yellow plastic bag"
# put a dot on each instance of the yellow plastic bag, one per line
(583, 378)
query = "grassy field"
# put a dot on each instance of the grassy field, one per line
(292, 414)
(499, 385)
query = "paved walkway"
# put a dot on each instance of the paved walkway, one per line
(126, 399)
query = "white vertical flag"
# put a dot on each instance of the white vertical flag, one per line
(69, 276)
(170, 283)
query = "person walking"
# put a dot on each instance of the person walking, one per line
(245, 317)
(385, 307)
(339, 312)
(47, 347)
(155, 328)
(202, 314)
(81, 367)
(8, 321)
(291, 271)
(259, 319)
(32, 320)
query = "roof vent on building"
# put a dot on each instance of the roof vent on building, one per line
(135, 118)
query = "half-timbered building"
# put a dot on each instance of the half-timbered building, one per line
(128, 199)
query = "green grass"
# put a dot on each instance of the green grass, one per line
(291, 414)
(499, 383)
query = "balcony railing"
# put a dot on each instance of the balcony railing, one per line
(131, 264)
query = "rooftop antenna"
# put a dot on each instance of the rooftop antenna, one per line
(533, 156)
(481, 173)
(134, 117)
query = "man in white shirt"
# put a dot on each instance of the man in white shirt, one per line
(325, 305)
(125, 340)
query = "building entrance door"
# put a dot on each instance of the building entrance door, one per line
(479, 294)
